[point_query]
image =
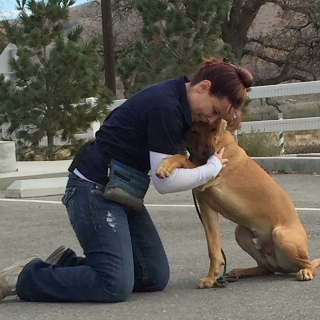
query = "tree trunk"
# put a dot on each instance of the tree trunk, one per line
(50, 151)
(108, 45)
(236, 26)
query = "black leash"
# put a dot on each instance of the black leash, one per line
(224, 280)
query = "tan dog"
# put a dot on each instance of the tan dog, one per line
(268, 225)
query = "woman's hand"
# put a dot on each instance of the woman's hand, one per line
(219, 155)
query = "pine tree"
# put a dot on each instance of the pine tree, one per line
(175, 36)
(54, 73)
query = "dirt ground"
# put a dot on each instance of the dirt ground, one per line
(302, 141)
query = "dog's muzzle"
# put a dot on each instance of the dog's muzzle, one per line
(208, 152)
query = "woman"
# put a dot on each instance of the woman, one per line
(108, 179)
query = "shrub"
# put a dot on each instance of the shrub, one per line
(259, 144)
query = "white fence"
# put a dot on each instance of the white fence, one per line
(289, 89)
(280, 125)
(285, 89)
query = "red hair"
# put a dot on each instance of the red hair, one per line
(227, 81)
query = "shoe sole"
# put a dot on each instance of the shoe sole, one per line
(56, 255)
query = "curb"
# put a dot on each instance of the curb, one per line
(288, 164)
(36, 188)
(7, 181)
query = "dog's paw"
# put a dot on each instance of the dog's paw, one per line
(205, 283)
(248, 272)
(165, 169)
(162, 173)
(237, 272)
(305, 275)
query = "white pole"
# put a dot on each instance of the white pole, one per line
(281, 138)
(235, 135)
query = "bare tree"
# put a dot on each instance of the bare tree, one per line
(237, 23)
(117, 24)
(292, 45)
(287, 49)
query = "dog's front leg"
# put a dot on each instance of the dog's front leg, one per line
(178, 160)
(210, 220)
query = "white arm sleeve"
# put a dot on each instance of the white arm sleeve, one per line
(182, 179)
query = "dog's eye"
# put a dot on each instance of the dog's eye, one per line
(194, 131)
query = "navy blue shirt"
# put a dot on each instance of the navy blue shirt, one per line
(154, 119)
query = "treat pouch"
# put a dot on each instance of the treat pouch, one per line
(126, 185)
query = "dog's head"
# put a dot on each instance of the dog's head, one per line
(203, 139)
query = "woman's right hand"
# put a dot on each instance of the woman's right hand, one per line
(219, 155)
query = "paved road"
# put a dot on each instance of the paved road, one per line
(39, 227)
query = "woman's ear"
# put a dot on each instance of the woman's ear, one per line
(204, 86)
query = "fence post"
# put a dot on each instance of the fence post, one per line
(235, 135)
(281, 138)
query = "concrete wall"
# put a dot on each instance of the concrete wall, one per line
(7, 156)
(8, 53)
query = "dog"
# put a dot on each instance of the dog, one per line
(268, 225)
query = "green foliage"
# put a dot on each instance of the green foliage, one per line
(245, 108)
(175, 37)
(54, 73)
(25, 153)
(259, 144)
(3, 39)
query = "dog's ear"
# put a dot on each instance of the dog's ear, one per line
(222, 125)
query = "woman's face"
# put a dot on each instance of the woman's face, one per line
(205, 107)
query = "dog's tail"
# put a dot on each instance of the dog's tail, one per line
(316, 263)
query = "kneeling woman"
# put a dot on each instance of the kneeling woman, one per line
(107, 182)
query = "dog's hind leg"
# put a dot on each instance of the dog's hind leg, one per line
(291, 247)
(251, 245)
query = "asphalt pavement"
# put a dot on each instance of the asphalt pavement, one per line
(39, 225)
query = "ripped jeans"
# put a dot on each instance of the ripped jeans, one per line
(122, 248)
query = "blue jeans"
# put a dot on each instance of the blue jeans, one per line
(122, 248)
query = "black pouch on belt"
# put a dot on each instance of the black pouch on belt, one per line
(126, 185)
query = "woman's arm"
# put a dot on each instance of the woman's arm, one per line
(182, 179)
